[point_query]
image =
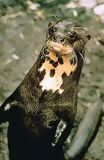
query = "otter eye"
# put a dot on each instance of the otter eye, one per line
(72, 34)
(52, 30)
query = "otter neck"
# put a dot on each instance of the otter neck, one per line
(52, 70)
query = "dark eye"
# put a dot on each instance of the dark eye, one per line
(72, 35)
(52, 30)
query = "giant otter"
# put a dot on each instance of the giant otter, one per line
(42, 109)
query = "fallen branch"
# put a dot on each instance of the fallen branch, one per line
(86, 132)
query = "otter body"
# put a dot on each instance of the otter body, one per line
(42, 109)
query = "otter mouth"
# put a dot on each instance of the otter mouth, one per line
(60, 48)
(65, 48)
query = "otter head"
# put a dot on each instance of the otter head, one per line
(62, 55)
(65, 36)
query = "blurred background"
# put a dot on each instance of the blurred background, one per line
(23, 26)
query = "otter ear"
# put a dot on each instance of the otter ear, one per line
(88, 37)
(50, 24)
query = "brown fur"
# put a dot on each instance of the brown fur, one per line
(47, 95)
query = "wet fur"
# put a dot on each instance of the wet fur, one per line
(35, 112)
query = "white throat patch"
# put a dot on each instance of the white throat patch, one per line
(55, 82)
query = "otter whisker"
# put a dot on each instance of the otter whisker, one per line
(81, 56)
